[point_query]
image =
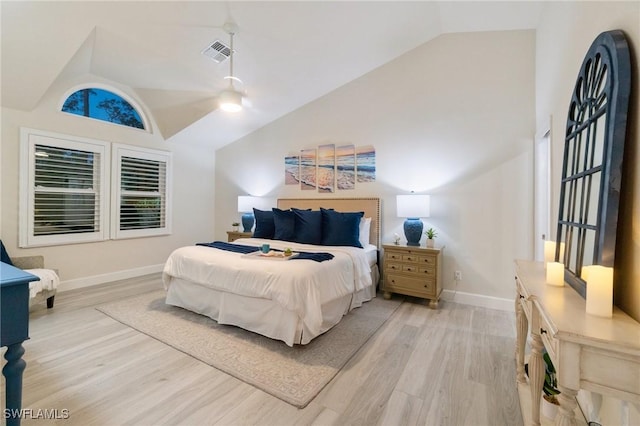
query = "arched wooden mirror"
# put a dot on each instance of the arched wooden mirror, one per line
(593, 155)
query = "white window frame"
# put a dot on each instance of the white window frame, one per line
(137, 106)
(119, 151)
(29, 138)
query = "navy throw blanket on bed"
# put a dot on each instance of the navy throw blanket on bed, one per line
(239, 248)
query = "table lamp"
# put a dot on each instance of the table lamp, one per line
(246, 203)
(413, 207)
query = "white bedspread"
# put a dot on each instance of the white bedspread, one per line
(300, 286)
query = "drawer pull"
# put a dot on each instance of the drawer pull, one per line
(410, 269)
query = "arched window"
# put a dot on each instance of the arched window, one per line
(102, 104)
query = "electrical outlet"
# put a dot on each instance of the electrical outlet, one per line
(457, 275)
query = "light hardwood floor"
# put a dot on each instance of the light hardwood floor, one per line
(451, 366)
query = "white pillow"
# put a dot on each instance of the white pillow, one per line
(365, 229)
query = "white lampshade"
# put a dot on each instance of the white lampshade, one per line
(246, 203)
(413, 205)
(230, 100)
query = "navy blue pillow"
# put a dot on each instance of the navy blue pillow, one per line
(4, 256)
(265, 225)
(308, 226)
(341, 229)
(285, 223)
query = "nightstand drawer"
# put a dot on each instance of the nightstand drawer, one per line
(410, 268)
(392, 255)
(392, 266)
(408, 285)
(427, 272)
(412, 258)
(427, 261)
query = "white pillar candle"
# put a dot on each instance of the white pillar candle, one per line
(555, 273)
(600, 291)
(584, 274)
(550, 252)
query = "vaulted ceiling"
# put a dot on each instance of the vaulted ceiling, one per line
(287, 53)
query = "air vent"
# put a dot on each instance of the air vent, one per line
(218, 51)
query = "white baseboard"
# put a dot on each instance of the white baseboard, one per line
(449, 295)
(478, 300)
(110, 277)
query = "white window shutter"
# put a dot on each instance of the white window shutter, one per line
(63, 187)
(141, 196)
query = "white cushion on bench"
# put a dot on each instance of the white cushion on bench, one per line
(49, 280)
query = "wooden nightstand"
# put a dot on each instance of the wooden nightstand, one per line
(413, 271)
(234, 235)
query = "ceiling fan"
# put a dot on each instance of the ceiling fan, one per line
(230, 99)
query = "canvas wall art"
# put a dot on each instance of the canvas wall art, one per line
(292, 169)
(346, 167)
(366, 163)
(308, 169)
(326, 172)
(328, 167)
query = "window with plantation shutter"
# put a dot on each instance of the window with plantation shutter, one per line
(63, 189)
(140, 192)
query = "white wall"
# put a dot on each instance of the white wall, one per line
(565, 33)
(91, 263)
(453, 118)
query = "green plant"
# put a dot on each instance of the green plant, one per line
(431, 233)
(147, 203)
(550, 387)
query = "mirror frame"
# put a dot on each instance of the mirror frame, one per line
(601, 92)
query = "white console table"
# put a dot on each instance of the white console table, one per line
(597, 354)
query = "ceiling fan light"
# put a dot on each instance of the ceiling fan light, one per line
(231, 100)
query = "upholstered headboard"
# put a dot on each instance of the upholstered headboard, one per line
(370, 207)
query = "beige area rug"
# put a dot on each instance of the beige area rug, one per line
(295, 375)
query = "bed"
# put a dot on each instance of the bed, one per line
(292, 300)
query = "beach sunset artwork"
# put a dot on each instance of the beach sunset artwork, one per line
(366, 163)
(308, 169)
(346, 167)
(292, 169)
(326, 176)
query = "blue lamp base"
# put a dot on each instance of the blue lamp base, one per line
(247, 222)
(413, 231)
